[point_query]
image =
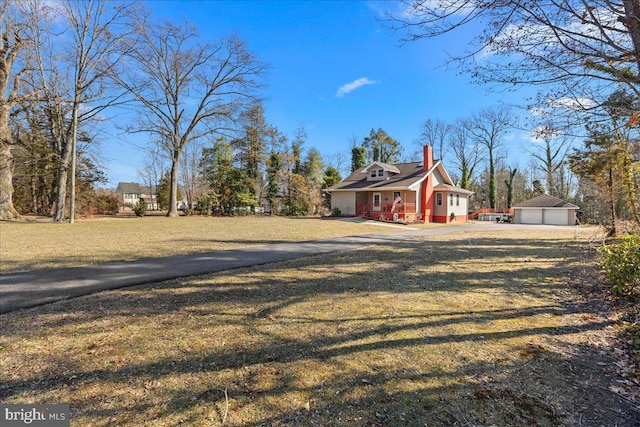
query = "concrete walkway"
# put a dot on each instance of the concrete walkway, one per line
(32, 288)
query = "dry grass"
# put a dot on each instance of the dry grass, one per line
(462, 330)
(34, 245)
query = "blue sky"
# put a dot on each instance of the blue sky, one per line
(315, 48)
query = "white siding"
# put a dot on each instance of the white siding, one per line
(459, 210)
(437, 179)
(345, 201)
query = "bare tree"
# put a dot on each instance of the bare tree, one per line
(74, 76)
(153, 169)
(435, 134)
(575, 49)
(185, 89)
(466, 152)
(193, 183)
(12, 46)
(487, 128)
(339, 161)
(551, 155)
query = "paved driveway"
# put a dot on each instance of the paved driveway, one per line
(32, 288)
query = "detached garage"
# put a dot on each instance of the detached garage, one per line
(545, 209)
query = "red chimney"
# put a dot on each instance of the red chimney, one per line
(428, 157)
(426, 196)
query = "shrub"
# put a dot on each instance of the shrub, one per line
(140, 209)
(105, 204)
(336, 212)
(622, 264)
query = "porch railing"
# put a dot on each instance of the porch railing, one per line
(489, 211)
(385, 208)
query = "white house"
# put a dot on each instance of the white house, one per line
(130, 192)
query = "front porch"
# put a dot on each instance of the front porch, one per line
(402, 212)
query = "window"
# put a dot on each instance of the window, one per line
(451, 199)
(457, 200)
(439, 199)
(396, 194)
(376, 198)
(380, 172)
(373, 173)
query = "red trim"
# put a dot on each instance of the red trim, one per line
(447, 219)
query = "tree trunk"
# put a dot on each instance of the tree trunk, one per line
(632, 12)
(74, 161)
(492, 182)
(173, 191)
(63, 176)
(465, 178)
(7, 211)
(612, 204)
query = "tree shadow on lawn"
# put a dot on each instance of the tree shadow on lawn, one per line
(446, 364)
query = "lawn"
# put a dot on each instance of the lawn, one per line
(34, 245)
(463, 329)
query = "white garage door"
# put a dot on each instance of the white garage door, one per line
(555, 216)
(531, 216)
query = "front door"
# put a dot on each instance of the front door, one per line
(377, 205)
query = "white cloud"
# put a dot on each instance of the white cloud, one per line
(577, 104)
(350, 87)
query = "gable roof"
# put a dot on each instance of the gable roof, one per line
(130, 187)
(546, 201)
(385, 166)
(409, 176)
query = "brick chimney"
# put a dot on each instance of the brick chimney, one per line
(426, 194)
(428, 157)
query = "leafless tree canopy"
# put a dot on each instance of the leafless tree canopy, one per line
(582, 48)
(187, 88)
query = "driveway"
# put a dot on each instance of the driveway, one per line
(33, 288)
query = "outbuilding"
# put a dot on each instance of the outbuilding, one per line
(545, 209)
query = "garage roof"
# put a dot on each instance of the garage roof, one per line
(546, 201)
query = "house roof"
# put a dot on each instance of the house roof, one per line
(546, 201)
(408, 176)
(385, 166)
(452, 188)
(130, 187)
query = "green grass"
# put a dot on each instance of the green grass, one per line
(35, 245)
(456, 330)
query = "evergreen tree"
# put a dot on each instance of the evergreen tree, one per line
(358, 158)
(230, 186)
(251, 146)
(331, 177)
(273, 180)
(381, 147)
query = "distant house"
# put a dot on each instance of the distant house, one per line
(408, 192)
(130, 192)
(545, 209)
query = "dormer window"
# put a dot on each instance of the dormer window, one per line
(380, 171)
